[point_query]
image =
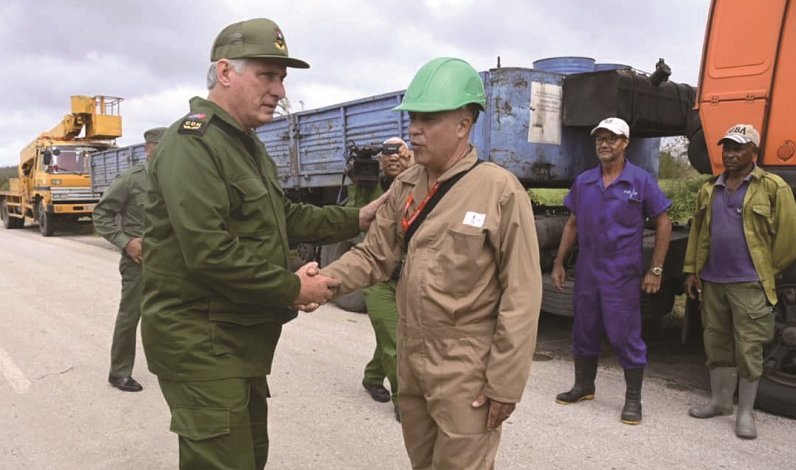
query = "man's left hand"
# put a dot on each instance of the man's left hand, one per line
(368, 213)
(498, 410)
(651, 284)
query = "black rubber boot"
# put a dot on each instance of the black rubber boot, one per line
(585, 373)
(631, 412)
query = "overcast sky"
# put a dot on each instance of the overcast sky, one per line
(155, 54)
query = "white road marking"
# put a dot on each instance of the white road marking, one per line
(15, 377)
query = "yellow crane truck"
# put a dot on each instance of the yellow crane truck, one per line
(54, 186)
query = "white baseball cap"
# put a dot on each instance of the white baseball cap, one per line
(743, 134)
(615, 125)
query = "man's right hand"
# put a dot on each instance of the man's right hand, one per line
(315, 288)
(368, 213)
(559, 275)
(692, 286)
(135, 250)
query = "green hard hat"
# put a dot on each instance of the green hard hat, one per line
(444, 84)
(255, 38)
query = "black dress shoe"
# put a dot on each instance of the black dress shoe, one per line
(377, 392)
(125, 384)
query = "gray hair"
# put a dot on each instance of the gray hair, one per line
(212, 74)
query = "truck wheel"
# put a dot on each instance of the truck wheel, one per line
(354, 301)
(8, 221)
(776, 397)
(692, 323)
(46, 221)
(301, 255)
(777, 390)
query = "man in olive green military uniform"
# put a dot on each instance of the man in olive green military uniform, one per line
(119, 218)
(380, 298)
(217, 288)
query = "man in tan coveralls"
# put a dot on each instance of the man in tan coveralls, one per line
(470, 290)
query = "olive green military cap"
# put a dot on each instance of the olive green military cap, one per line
(256, 38)
(152, 136)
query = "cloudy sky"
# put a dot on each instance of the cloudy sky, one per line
(155, 54)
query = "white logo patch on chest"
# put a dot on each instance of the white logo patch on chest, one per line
(474, 219)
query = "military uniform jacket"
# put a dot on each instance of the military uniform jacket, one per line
(769, 226)
(216, 240)
(124, 199)
(471, 269)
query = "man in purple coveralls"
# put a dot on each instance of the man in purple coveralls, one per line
(608, 206)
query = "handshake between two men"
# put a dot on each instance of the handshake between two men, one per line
(317, 289)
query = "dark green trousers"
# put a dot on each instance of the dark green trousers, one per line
(222, 424)
(383, 314)
(124, 333)
(737, 321)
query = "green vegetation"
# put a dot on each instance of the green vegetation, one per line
(6, 172)
(548, 197)
(678, 180)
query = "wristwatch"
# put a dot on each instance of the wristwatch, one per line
(656, 271)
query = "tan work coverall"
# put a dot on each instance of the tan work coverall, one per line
(468, 302)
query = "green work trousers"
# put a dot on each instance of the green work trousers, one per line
(124, 332)
(221, 424)
(383, 314)
(737, 321)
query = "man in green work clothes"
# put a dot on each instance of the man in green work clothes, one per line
(380, 298)
(217, 288)
(119, 218)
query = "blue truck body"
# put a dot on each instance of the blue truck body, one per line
(521, 130)
(105, 166)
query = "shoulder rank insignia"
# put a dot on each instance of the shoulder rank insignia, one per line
(194, 124)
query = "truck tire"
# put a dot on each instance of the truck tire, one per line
(775, 397)
(777, 389)
(557, 303)
(46, 221)
(692, 323)
(8, 221)
(354, 301)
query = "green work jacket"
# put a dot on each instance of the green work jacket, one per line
(218, 227)
(119, 215)
(769, 226)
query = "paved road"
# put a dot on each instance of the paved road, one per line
(57, 307)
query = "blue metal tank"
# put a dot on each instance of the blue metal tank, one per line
(564, 65)
(522, 131)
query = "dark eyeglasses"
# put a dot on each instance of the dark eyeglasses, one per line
(611, 139)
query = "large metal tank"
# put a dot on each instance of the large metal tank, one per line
(522, 128)
(564, 65)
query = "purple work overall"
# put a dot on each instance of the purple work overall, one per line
(608, 270)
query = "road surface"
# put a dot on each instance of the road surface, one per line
(57, 308)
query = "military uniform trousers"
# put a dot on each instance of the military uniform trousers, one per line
(124, 332)
(737, 319)
(383, 314)
(222, 424)
(441, 372)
